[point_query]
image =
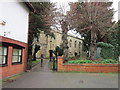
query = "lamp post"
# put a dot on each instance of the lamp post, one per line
(2, 23)
(50, 44)
(50, 51)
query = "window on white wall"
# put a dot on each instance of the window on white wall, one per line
(70, 43)
(3, 55)
(17, 55)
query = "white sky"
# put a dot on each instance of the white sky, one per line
(64, 4)
(115, 6)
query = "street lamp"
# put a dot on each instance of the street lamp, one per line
(2, 23)
(50, 44)
(50, 51)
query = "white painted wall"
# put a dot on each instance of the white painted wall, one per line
(16, 16)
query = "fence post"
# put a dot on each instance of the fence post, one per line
(53, 63)
(119, 58)
(56, 62)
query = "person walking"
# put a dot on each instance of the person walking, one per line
(42, 57)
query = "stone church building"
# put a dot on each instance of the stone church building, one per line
(48, 43)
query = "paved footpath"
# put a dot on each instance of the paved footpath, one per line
(46, 78)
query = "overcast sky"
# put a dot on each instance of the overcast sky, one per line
(64, 4)
(115, 6)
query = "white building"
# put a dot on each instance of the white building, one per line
(14, 25)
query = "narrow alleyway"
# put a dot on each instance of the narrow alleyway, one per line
(46, 78)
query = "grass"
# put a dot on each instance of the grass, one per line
(35, 62)
(50, 65)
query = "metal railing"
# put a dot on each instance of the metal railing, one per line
(54, 66)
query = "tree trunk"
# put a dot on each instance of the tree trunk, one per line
(93, 46)
(30, 39)
(36, 49)
(34, 56)
(65, 41)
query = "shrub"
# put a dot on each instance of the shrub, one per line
(104, 61)
(58, 51)
(109, 61)
(79, 61)
(106, 45)
(107, 53)
(107, 50)
(71, 62)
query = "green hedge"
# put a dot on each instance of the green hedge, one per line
(104, 45)
(104, 61)
(107, 50)
(107, 53)
(79, 61)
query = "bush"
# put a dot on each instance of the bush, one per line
(109, 61)
(79, 61)
(58, 51)
(107, 53)
(106, 45)
(104, 61)
(107, 50)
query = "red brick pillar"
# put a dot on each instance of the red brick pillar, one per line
(10, 51)
(60, 63)
(7, 69)
(24, 59)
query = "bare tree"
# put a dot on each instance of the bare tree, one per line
(62, 23)
(64, 26)
(93, 17)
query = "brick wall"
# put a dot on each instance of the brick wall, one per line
(99, 68)
(12, 69)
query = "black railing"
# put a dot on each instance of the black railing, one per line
(54, 66)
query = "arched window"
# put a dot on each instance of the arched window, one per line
(75, 44)
(70, 43)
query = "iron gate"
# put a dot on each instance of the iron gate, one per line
(54, 66)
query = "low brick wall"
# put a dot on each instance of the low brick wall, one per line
(98, 68)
